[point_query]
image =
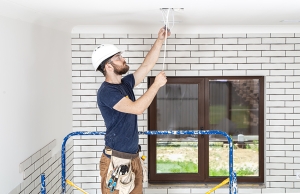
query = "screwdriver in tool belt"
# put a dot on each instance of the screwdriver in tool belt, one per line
(115, 182)
(111, 180)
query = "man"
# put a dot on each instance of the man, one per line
(119, 107)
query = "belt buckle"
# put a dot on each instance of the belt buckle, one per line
(108, 151)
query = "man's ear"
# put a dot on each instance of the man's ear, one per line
(109, 67)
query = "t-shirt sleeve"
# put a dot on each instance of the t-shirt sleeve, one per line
(129, 79)
(110, 97)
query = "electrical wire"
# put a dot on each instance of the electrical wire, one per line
(166, 35)
(167, 28)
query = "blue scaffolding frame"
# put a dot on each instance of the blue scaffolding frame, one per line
(232, 174)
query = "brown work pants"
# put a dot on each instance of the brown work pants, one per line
(136, 168)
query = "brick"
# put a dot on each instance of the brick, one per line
(292, 128)
(273, 53)
(273, 40)
(282, 184)
(253, 35)
(186, 47)
(179, 54)
(131, 41)
(275, 141)
(84, 117)
(249, 41)
(293, 66)
(275, 166)
(210, 73)
(202, 54)
(292, 103)
(75, 47)
(226, 41)
(186, 73)
(275, 116)
(179, 41)
(186, 36)
(292, 40)
(292, 91)
(282, 59)
(210, 47)
(235, 35)
(115, 36)
(258, 59)
(234, 47)
(258, 72)
(25, 164)
(275, 153)
(139, 47)
(187, 60)
(281, 122)
(275, 104)
(234, 73)
(281, 72)
(85, 179)
(210, 60)
(281, 85)
(281, 147)
(202, 41)
(108, 41)
(292, 153)
(202, 66)
(282, 47)
(84, 41)
(210, 35)
(259, 47)
(281, 172)
(273, 66)
(226, 54)
(294, 142)
(83, 79)
(179, 66)
(275, 78)
(249, 53)
(292, 78)
(281, 135)
(225, 66)
(283, 35)
(234, 60)
(92, 123)
(249, 66)
(281, 97)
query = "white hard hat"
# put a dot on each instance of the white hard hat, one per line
(103, 52)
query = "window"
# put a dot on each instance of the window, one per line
(231, 104)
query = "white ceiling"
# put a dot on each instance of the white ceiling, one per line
(198, 14)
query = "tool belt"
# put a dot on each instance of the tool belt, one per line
(111, 152)
(120, 175)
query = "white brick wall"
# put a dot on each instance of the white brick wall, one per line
(43, 162)
(275, 56)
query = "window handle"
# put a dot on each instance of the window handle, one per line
(201, 128)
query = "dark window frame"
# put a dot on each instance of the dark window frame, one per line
(202, 176)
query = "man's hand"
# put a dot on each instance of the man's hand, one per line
(160, 79)
(162, 32)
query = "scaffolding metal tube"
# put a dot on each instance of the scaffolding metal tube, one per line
(232, 174)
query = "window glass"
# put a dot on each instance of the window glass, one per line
(177, 109)
(234, 108)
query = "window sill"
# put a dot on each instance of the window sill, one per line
(201, 185)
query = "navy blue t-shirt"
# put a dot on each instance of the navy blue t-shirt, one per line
(121, 128)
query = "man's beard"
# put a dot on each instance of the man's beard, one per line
(120, 70)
